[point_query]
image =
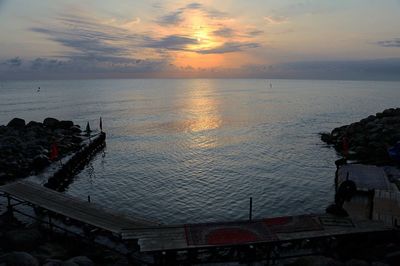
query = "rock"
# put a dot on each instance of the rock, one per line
(50, 251)
(327, 138)
(76, 129)
(378, 263)
(40, 162)
(34, 124)
(52, 263)
(393, 258)
(81, 261)
(314, 261)
(68, 263)
(354, 262)
(51, 122)
(76, 139)
(65, 124)
(16, 123)
(23, 239)
(389, 112)
(19, 259)
(368, 119)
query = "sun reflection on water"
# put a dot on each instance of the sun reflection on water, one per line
(203, 114)
(203, 107)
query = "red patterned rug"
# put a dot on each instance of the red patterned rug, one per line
(228, 233)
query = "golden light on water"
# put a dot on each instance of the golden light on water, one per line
(205, 112)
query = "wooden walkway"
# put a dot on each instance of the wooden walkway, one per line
(176, 238)
(153, 237)
(68, 206)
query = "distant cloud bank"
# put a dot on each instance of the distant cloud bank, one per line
(83, 67)
(390, 43)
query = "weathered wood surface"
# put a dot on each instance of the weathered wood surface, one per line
(153, 237)
(366, 177)
(174, 237)
(73, 208)
(387, 207)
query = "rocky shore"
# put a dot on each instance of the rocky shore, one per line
(25, 148)
(369, 139)
(34, 245)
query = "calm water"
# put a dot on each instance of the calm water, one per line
(196, 150)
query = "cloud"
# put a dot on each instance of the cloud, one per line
(378, 69)
(90, 37)
(173, 18)
(275, 20)
(224, 32)
(176, 17)
(13, 62)
(229, 47)
(97, 47)
(194, 6)
(171, 42)
(255, 33)
(389, 43)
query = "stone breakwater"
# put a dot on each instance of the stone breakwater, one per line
(61, 178)
(25, 148)
(368, 140)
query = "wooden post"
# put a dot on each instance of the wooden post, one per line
(251, 209)
(50, 223)
(9, 206)
(88, 198)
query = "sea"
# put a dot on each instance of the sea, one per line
(197, 150)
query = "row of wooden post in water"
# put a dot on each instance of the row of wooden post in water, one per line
(63, 176)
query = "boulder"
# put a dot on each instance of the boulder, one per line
(49, 251)
(314, 261)
(16, 123)
(51, 122)
(393, 258)
(378, 263)
(19, 259)
(389, 112)
(354, 262)
(40, 161)
(327, 138)
(65, 124)
(68, 263)
(23, 239)
(81, 261)
(75, 129)
(52, 262)
(34, 124)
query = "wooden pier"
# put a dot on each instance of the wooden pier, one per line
(70, 207)
(158, 240)
(256, 232)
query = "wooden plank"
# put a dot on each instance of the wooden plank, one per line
(162, 239)
(71, 207)
(387, 207)
(366, 177)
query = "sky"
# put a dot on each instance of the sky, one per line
(314, 39)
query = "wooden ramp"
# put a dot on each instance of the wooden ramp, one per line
(71, 207)
(276, 230)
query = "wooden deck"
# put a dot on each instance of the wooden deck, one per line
(383, 201)
(153, 237)
(175, 238)
(366, 177)
(71, 207)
